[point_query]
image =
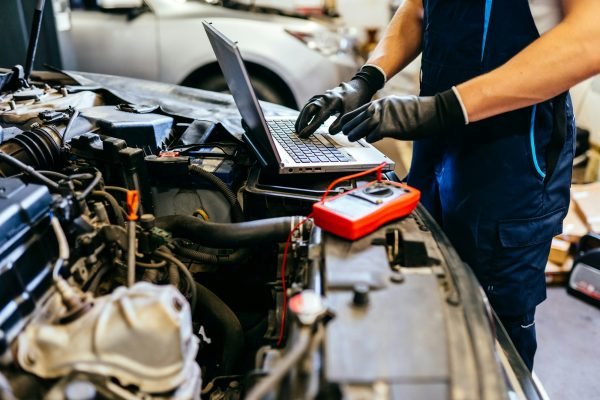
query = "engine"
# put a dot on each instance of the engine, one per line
(127, 264)
(143, 254)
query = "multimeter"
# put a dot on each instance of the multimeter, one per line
(360, 211)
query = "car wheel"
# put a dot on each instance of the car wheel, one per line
(264, 89)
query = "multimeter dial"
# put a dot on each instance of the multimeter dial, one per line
(378, 190)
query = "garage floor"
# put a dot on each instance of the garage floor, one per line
(568, 358)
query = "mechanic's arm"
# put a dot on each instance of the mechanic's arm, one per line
(564, 56)
(401, 40)
(400, 44)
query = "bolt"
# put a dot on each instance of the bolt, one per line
(147, 221)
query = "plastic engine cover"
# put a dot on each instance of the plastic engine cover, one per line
(25, 257)
(145, 131)
(141, 336)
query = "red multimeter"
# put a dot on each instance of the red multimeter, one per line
(360, 211)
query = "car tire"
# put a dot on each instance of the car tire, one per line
(264, 90)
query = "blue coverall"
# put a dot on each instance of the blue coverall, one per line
(498, 187)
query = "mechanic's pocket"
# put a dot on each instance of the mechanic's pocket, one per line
(514, 233)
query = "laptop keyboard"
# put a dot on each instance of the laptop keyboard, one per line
(309, 150)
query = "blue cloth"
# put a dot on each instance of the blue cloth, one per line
(486, 183)
(521, 330)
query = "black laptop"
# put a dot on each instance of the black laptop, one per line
(273, 140)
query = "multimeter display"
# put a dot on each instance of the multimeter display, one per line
(360, 211)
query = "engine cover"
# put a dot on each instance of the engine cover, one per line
(24, 255)
(141, 336)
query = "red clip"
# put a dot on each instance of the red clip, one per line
(168, 154)
(133, 203)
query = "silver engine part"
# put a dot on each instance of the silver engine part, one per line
(15, 111)
(140, 336)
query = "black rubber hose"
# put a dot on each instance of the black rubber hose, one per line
(88, 189)
(53, 174)
(235, 257)
(114, 205)
(237, 235)
(217, 313)
(97, 279)
(27, 170)
(237, 215)
(185, 272)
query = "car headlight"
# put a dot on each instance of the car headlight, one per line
(325, 42)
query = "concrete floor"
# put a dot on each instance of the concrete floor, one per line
(568, 358)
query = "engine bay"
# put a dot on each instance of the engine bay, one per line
(144, 255)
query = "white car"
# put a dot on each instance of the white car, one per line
(289, 58)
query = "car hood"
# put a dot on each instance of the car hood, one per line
(177, 100)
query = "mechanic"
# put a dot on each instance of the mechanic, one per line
(493, 129)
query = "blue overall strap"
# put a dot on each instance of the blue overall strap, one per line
(559, 135)
(486, 25)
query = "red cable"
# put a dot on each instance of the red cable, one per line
(377, 169)
(283, 284)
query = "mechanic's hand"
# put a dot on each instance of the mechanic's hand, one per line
(340, 100)
(404, 118)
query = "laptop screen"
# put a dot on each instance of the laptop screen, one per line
(238, 81)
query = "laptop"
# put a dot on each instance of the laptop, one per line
(273, 140)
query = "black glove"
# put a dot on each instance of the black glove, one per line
(404, 118)
(344, 98)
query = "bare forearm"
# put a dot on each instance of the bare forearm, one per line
(551, 65)
(401, 41)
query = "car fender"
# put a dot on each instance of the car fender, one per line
(304, 71)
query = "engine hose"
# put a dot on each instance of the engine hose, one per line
(217, 313)
(37, 148)
(236, 257)
(93, 285)
(237, 215)
(186, 273)
(114, 205)
(88, 189)
(63, 249)
(16, 163)
(174, 277)
(237, 235)
(285, 364)
(151, 265)
(53, 174)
